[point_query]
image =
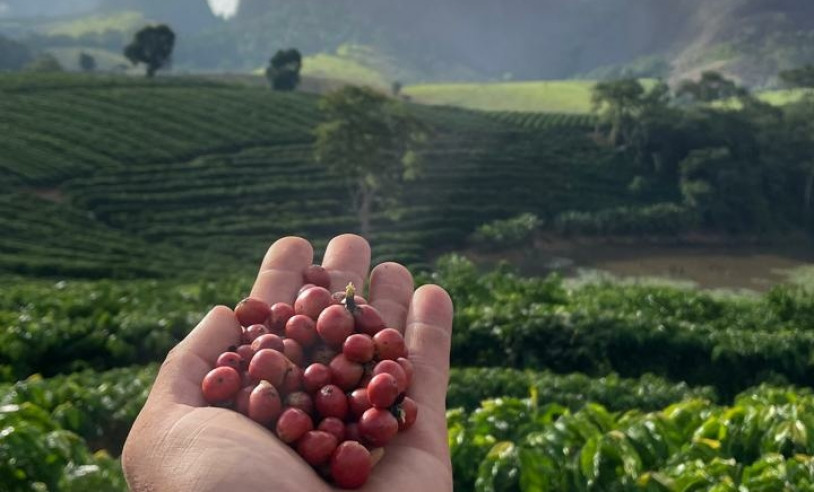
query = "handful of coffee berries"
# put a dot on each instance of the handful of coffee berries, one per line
(325, 375)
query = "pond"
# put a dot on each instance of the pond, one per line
(710, 264)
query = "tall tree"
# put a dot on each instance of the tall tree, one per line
(712, 86)
(798, 77)
(618, 103)
(283, 72)
(369, 142)
(153, 46)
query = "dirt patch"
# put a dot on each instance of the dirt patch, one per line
(50, 194)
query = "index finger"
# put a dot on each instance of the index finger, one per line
(280, 275)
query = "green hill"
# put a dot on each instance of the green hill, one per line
(222, 170)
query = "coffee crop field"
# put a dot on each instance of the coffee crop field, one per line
(131, 207)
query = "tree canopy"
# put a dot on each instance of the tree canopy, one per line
(283, 72)
(712, 86)
(153, 46)
(370, 143)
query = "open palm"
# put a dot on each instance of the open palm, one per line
(178, 443)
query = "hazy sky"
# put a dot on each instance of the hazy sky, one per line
(225, 8)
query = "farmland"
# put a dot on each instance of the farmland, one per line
(226, 157)
(131, 207)
(567, 96)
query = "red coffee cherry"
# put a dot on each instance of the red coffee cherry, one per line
(220, 385)
(251, 311)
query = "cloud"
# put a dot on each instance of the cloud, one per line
(223, 8)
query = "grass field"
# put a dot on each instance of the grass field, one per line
(125, 21)
(787, 96)
(562, 96)
(557, 96)
(106, 61)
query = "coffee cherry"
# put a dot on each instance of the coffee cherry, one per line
(359, 348)
(251, 311)
(247, 380)
(293, 351)
(350, 465)
(352, 432)
(254, 331)
(323, 354)
(293, 424)
(302, 329)
(333, 426)
(331, 401)
(324, 373)
(358, 402)
(316, 447)
(293, 379)
(301, 400)
(406, 413)
(242, 399)
(334, 325)
(311, 302)
(316, 376)
(268, 341)
(344, 373)
(281, 312)
(389, 344)
(269, 365)
(383, 390)
(264, 403)
(394, 369)
(246, 353)
(230, 359)
(220, 385)
(378, 426)
(368, 320)
(317, 275)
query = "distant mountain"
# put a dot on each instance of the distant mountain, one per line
(433, 40)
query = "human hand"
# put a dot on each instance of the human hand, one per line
(178, 443)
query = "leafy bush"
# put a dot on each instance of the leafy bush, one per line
(503, 320)
(468, 387)
(661, 218)
(762, 442)
(506, 233)
(99, 407)
(47, 457)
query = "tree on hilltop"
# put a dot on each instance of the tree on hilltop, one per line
(712, 86)
(283, 72)
(153, 46)
(618, 103)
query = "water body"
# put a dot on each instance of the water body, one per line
(755, 267)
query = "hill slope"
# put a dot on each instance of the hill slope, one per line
(223, 170)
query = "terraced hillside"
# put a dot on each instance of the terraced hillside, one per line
(186, 165)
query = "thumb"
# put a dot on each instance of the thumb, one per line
(179, 379)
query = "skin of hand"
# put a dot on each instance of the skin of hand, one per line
(178, 443)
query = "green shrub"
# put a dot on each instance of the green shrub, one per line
(508, 233)
(662, 218)
(762, 442)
